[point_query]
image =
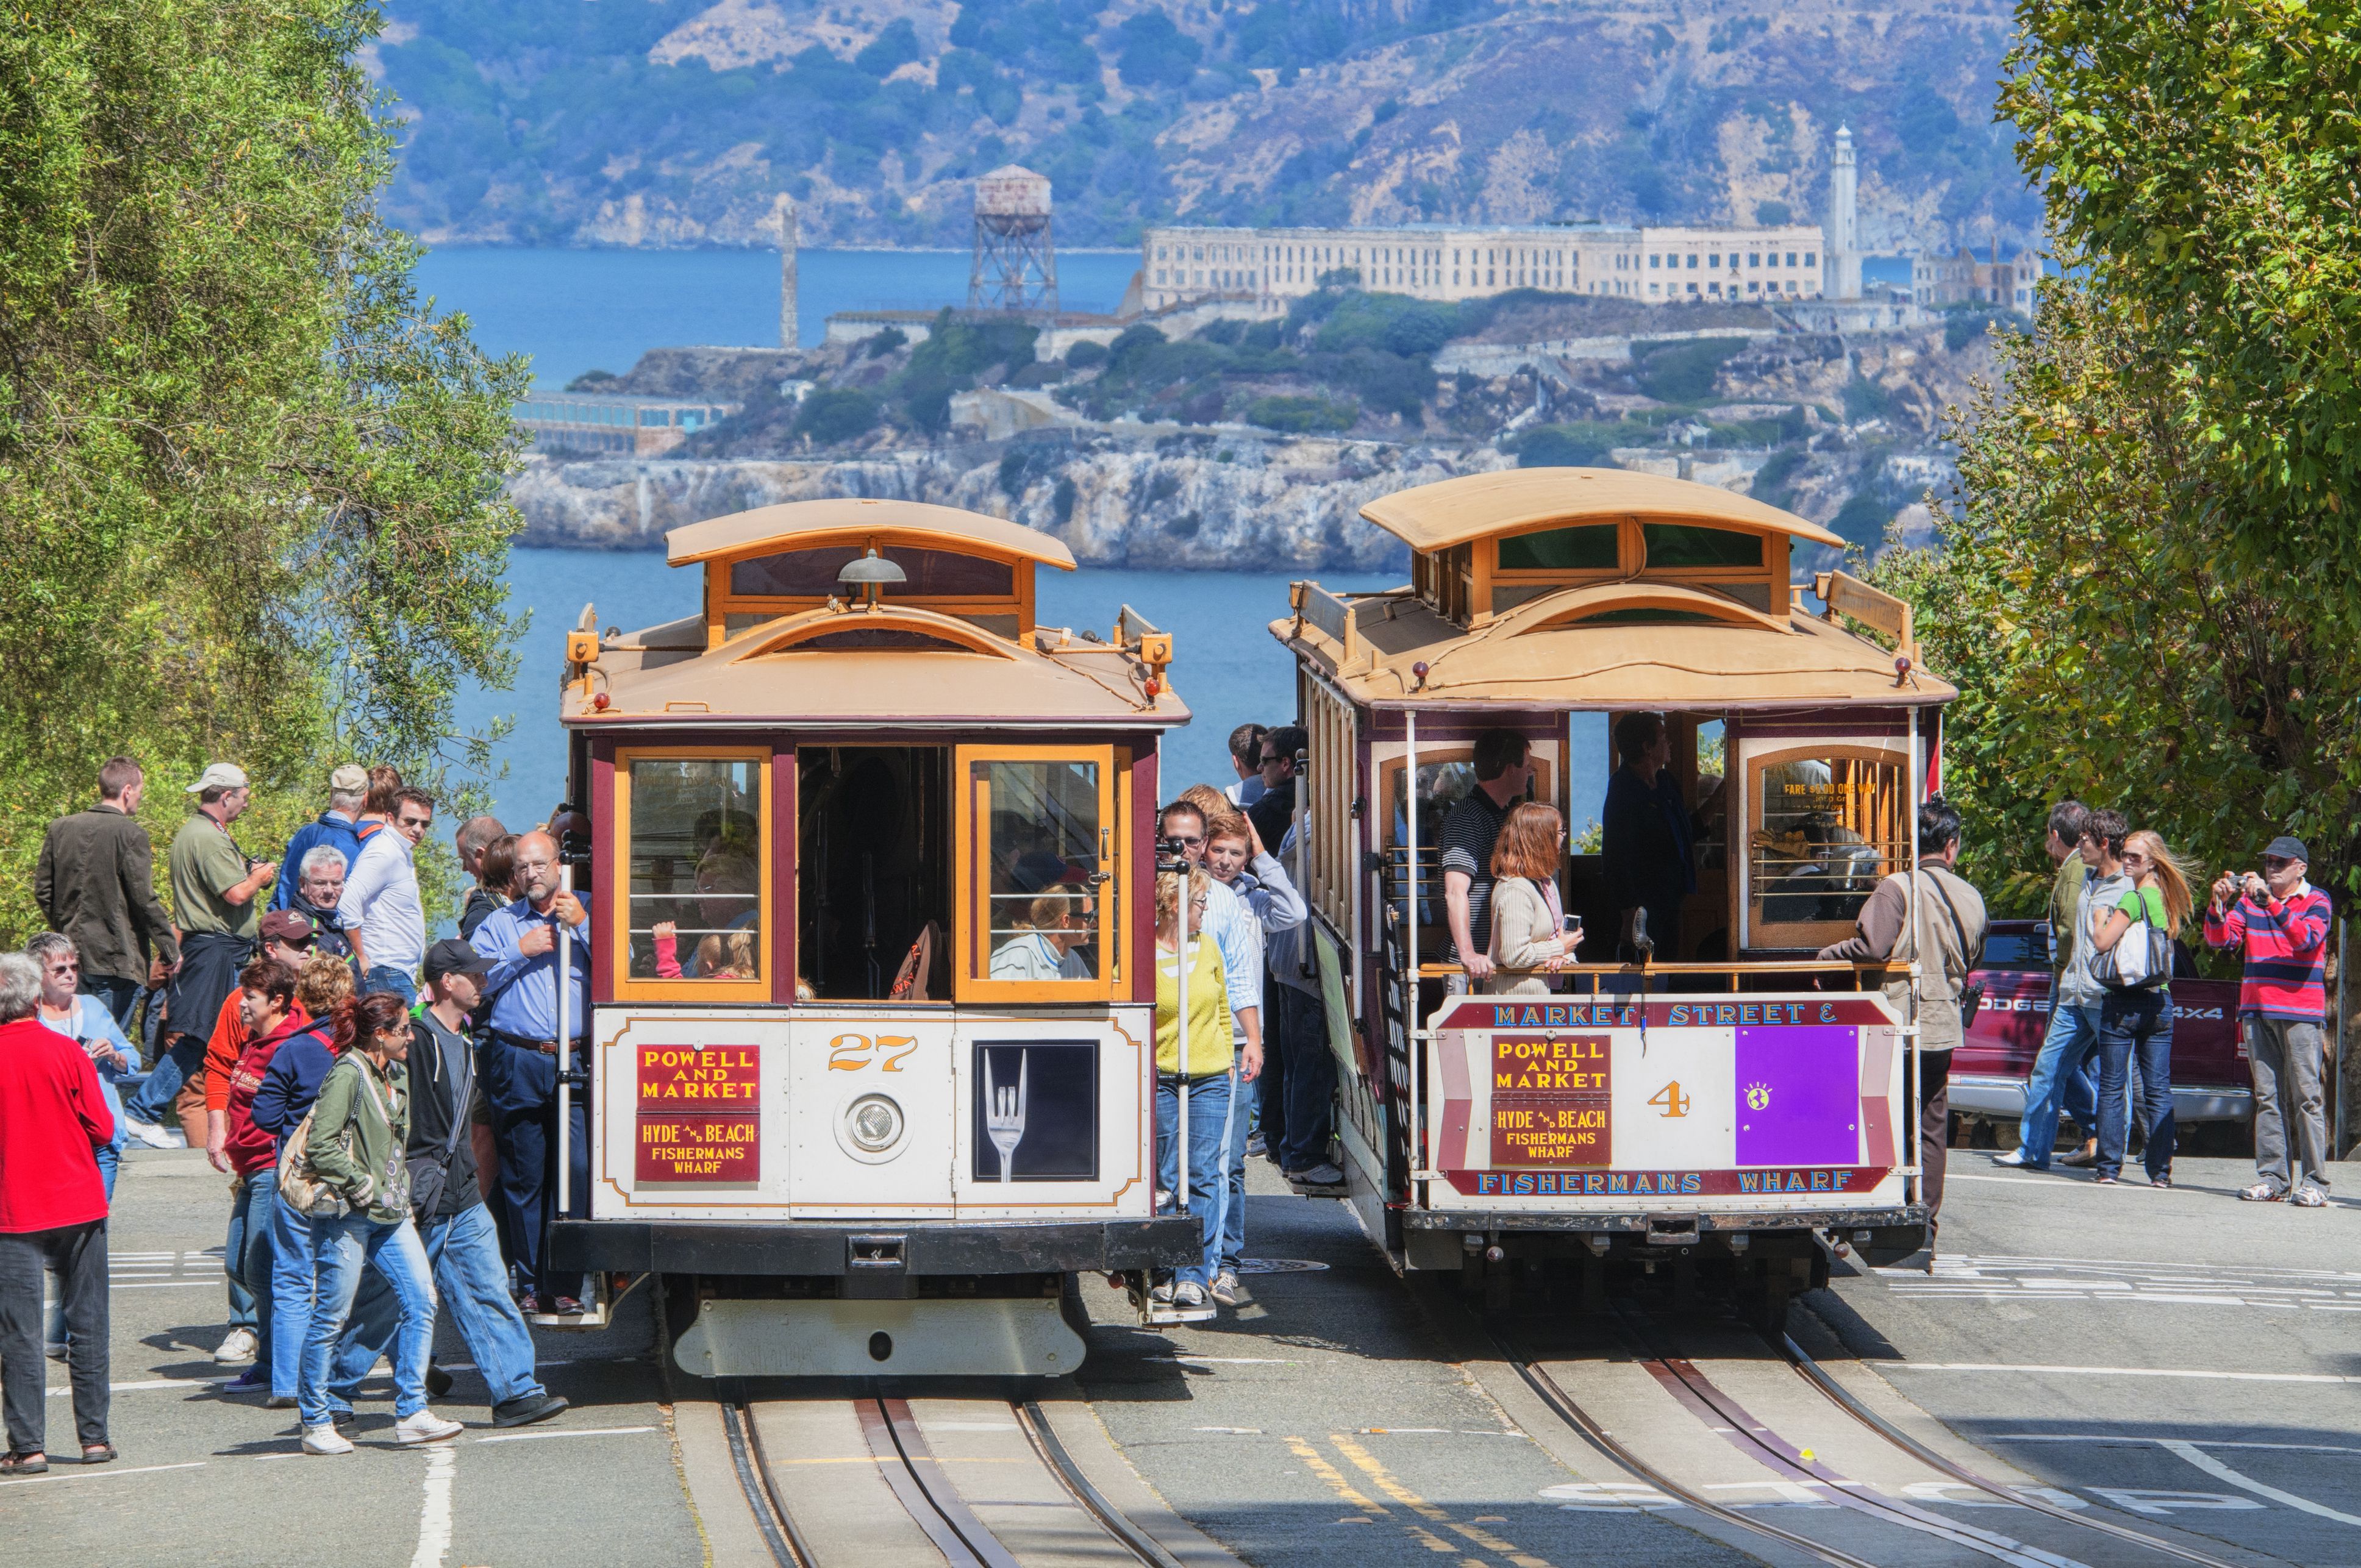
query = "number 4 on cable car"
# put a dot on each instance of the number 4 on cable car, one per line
(1670, 1096)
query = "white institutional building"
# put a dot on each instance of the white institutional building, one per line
(1267, 267)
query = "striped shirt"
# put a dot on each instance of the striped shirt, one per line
(2287, 951)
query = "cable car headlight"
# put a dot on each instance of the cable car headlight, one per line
(874, 1124)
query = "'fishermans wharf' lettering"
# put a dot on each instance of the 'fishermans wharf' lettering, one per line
(699, 1114)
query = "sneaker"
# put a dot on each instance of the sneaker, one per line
(438, 1382)
(526, 1409)
(255, 1376)
(280, 1402)
(1322, 1175)
(154, 1136)
(2165, 1180)
(2084, 1157)
(1188, 1293)
(2017, 1160)
(2261, 1192)
(1256, 1147)
(2106, 1181)
(567, 1306)
(1225, 1288)
(326, 1441)
(1162, 1292)
(55, 1352)
(425, 1427)
(237, 1349)
(2309, 1197)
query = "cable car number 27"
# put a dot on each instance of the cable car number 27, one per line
(850, 1053)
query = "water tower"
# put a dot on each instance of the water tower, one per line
(1016, 265)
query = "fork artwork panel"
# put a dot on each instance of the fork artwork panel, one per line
(1036, 1111)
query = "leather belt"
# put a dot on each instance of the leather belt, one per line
(546, 1047)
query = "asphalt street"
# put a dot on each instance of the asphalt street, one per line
(2181, 1358)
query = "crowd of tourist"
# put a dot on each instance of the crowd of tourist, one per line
(365, 1126)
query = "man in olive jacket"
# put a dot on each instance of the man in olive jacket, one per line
(96, 883)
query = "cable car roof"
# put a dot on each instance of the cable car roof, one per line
(1603, 645)
(1475, 506)
(791, 522)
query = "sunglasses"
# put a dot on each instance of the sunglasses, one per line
(2273, 863)
(1191, 839)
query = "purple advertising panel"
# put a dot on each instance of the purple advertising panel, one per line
(1798, 1095)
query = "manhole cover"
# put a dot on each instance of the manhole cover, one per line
(1280, 1265)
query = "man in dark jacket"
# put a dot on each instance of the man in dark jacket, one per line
(96, 883)
(462, 1243)
(1645, 837)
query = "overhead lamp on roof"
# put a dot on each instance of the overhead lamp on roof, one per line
(870, 572)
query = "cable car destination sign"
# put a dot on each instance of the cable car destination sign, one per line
(700, 1116)
(1762, 1095)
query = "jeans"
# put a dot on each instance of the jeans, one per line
(383, 977)
(1234, 1179)
(2285, 1057)
(473, 1282)
(340, 1249)
(520, 1085)
(1308, 1077)
(247, 1256)
(120, 995)
(182, 1057)
(291, 1296)
(2135, 1024)
(77, 1253)
(2057, 1074)
(1209, 1107)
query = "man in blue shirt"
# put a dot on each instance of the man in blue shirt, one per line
(339, 828)
(519, 1065)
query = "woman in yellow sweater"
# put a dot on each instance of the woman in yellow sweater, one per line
(1201, 1072)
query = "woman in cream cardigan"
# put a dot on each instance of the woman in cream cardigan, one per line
(1528, 921)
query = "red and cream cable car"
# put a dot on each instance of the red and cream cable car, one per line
(870, 880)
(1718, 1104)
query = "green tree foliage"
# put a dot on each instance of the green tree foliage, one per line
(1301, 414)
(1682, 371)
(2200, 157)
(1152, 53)
(836, 413)
(2107, 642)
(249, 483)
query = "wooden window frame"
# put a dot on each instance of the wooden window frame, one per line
(1757, 935)
(971, 881)
(627, 988)
(1631, 562)
(720, 604)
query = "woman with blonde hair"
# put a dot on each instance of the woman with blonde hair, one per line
(1528, 920)
(2137, 1021)
(1193, 1058)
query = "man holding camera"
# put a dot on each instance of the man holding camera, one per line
(2281, 923)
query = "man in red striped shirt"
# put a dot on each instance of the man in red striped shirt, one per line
(2281, 922)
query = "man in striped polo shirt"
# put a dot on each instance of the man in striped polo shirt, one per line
(2281, 921)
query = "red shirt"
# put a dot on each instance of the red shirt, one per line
(250, 1149)
(52, 1114)
(228, 1042)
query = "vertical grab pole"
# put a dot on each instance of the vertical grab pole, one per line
(1910, 827)
(1416, 886)
(1181, 1002)
(564, 1047)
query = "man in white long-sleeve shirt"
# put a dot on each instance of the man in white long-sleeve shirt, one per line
(1270, 905)
(383, 917)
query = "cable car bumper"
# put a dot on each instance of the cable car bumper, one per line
(817, 1248)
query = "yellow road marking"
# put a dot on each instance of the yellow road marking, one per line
(1367, 1463)
(1334, 1476)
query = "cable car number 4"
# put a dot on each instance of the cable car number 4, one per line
(1670, 1096)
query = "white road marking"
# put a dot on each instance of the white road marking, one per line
(2104, 1437)
(628, 1431)
(98, 1473)
(434, 1514)
(2115, 1371)
(2149, 1500)
(62, 1389)
(2221, 1471)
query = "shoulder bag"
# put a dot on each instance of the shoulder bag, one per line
(301, 1187)
(2141, 959)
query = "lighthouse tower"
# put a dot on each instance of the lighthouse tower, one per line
(1843, 251)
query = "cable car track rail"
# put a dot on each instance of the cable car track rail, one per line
(911, 1471)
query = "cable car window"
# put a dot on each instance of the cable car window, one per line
(1826, 825)
(1676, 546)
(1590, 548)
(1042, 847)
(811, 574)
(696, 839)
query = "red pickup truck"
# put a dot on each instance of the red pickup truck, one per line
(2209, 1080)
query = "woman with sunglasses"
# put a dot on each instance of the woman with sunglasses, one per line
(2136, 1022)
